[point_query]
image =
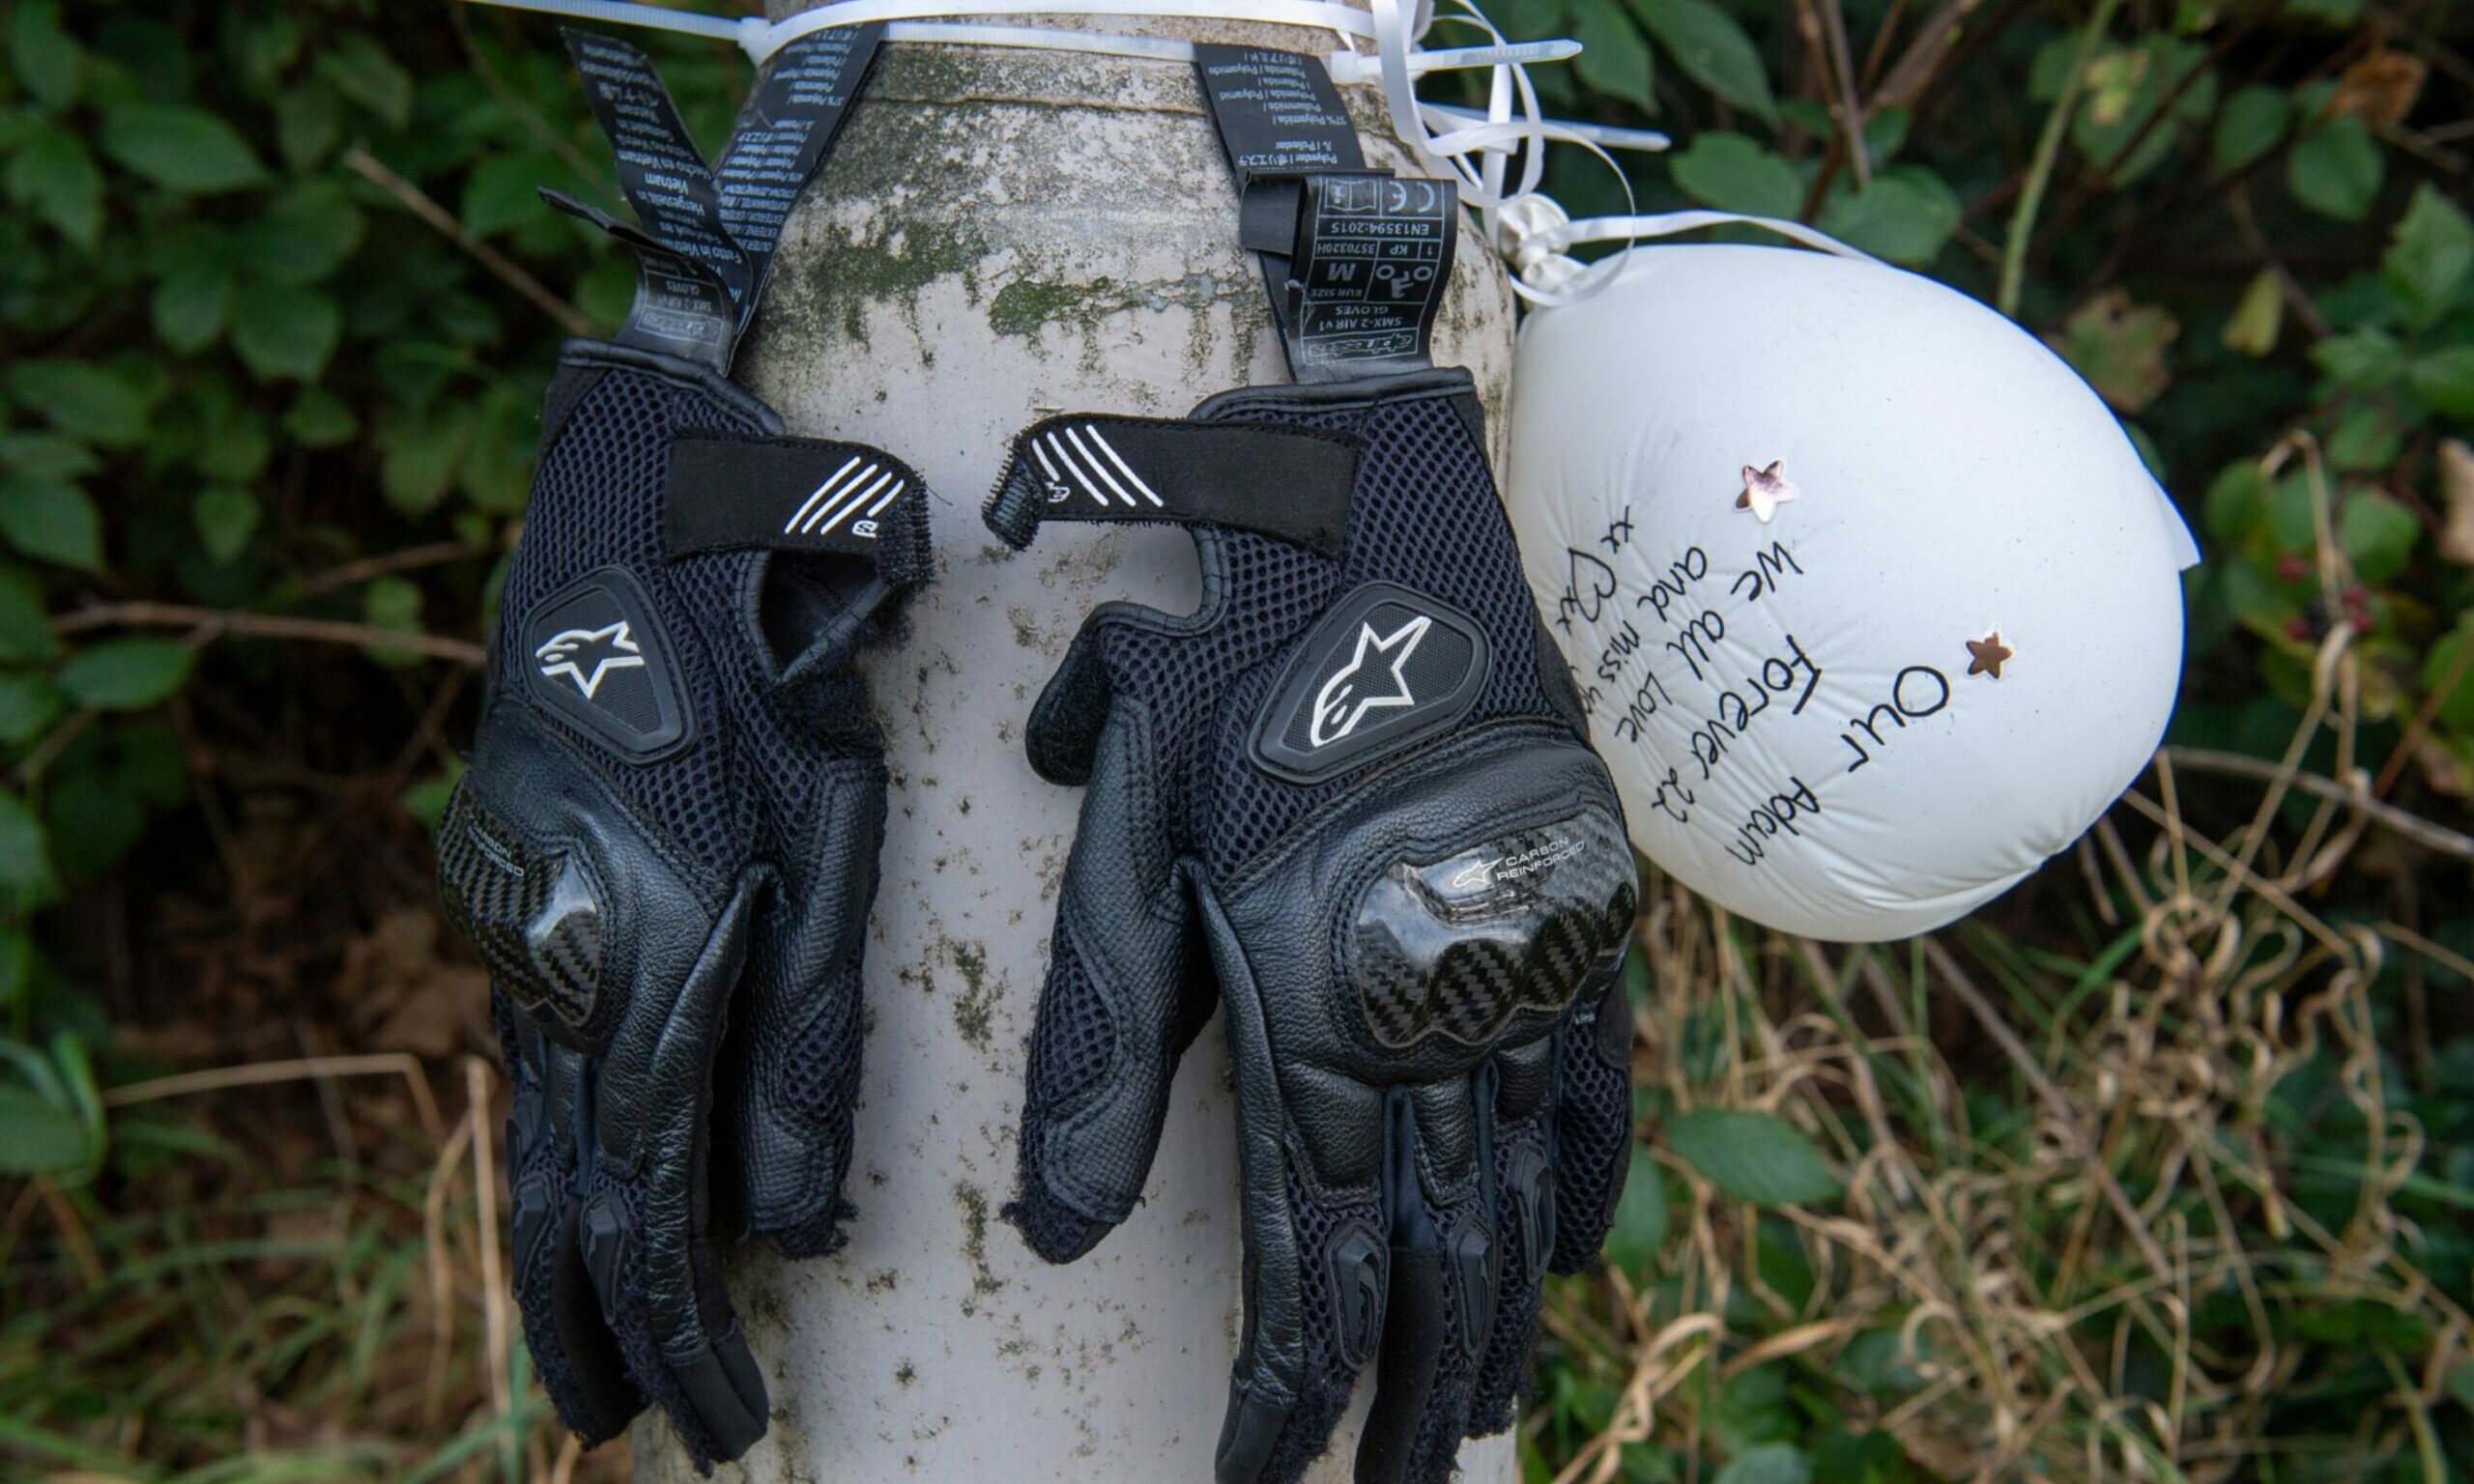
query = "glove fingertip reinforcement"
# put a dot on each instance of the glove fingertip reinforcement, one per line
(1351, 800)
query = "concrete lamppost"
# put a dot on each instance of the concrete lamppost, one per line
(1001, 234)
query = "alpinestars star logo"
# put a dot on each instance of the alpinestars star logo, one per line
(586, 655)
(1339, 708)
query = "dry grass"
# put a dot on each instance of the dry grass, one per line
(2138, 1213)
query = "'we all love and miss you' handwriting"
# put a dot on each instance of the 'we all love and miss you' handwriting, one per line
(1662, 674)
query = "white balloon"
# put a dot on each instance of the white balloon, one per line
(1776, 506)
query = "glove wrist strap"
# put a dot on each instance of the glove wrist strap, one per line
(727, 492)
(1290, 483)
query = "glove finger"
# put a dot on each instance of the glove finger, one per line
(573, 1351)
(790, 1056)
(646, 1217)
(1445, 1279)
(1317, 1265)
(1593, 1118)
(1125, 995)
(1525, 1203)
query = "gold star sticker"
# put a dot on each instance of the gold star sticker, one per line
(1764, 490)
(1985, 655)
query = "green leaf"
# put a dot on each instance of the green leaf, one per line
(1639, 1227)
(2456, 707)
(2431, 254)
(51, 520)
(28, 704)
(2458, 1382)
(1753, 1157)
(192, 304)
(83, 399)
(320, 419)
(2445, 379)
(307, 121)
(427, 801)
(25, 862)
(36, 1137)
(305, 235)
(225, 519)
(1713, 52)
(2119, 347)
(180, 148)
(1907, 215)
(1614, 60)
(46, 59)
(2365, 441)
(93, 821)
(2249, 126)
(2364, 359)
(127, 674)
(44, 453)
(1771, 1463)
(281, 330)
(392, 603)
(418, 452)
(26, 629)
(2237, 500)
(1735, 173)
(2259, 319)
(52, 173)
(503, 191)
(2378, 534)
(361, 71)
(2336, 170)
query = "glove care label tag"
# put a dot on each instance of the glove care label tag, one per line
(659, 170)
(1355, 261)
(1278, 114)
(1368, 274)
(782, 135)
(708, 236)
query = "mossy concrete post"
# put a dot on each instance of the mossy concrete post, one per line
(1001, 234)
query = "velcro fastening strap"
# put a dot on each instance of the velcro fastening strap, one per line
(1286, 482)
(725, 491)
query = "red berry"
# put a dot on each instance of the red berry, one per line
(2298, 627)
(2293, 566)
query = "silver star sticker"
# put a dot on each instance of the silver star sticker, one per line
(1764, 490)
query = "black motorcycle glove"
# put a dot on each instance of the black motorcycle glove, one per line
(1351, 798)
(664, 850)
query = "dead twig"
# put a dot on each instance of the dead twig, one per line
(2356, 795)
(214, 623)
(508, 272)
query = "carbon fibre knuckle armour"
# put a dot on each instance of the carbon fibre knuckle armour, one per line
(1455, 947)
(533, 917)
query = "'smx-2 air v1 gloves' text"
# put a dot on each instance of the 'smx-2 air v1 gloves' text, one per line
(1351, 799)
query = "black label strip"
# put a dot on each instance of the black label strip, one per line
(782, 135)
(1355, 261)
(707, 234)
(659, 170)
(1368, 274)
(1277, 112)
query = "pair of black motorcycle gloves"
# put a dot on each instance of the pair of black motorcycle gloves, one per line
(1349, 800)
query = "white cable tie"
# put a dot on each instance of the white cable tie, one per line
(1647, 141)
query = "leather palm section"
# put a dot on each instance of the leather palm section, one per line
(664, 851)
(1349, 802)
